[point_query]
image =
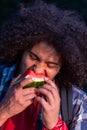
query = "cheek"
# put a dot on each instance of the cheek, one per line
(52, 73)
(26, 63)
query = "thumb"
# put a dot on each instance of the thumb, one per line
(15, 80)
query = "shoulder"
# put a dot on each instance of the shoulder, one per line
(79, 95)
(6, 70)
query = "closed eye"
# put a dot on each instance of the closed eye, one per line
(33, 56)
(52, 64)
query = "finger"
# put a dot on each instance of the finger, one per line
(43, 102)
(15, 80)
(28, 102)
(22, 82)
(29, 97)
(50, 82)
(47, 95)
(28, 91)
(54, 92)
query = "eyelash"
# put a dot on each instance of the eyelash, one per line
(33, 57)
(51, 65)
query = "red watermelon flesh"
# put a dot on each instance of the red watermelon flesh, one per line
(38, 78)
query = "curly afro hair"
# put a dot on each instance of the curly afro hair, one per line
(62, 29)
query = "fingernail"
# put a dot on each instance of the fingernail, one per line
(46, 78)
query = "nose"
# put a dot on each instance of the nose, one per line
(40, 67)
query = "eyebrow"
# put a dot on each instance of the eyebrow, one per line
(46, 61)
(52, 63)
(34, 55)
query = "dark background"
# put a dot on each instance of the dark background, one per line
(9, 6)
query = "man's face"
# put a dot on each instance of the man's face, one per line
(45, 59)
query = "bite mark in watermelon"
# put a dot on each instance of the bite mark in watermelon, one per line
(38, 79)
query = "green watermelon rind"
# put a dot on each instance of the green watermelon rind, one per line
(35, 84)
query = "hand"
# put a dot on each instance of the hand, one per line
(50, 102)
(17, 98)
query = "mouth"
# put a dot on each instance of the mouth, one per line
(33, 69)
(38, 79)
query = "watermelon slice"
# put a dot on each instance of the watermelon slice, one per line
(38, 78)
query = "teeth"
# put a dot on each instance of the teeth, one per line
(34, 78)
(37, 79)
(27, 76)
